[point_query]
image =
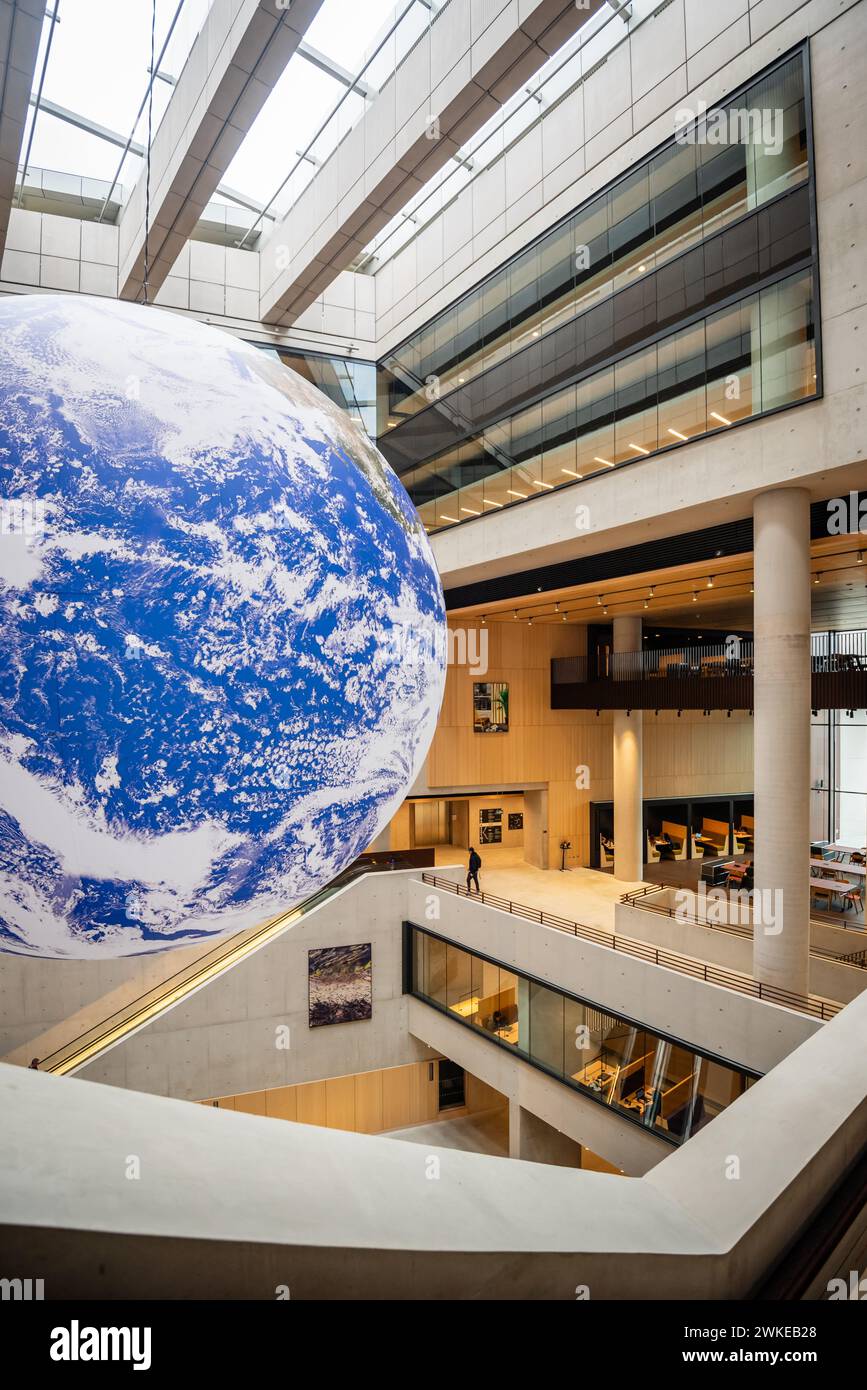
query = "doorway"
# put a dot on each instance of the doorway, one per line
(452, 1087)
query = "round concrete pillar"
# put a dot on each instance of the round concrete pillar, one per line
(628, 764)
(781, 739)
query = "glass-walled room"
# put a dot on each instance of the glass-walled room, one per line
(681, 196)
(752, 357)
(651, 1080)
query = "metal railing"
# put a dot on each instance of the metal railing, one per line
(830, 652)
(670, 960)
(639, 898)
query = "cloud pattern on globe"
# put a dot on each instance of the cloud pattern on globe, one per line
(223, 647)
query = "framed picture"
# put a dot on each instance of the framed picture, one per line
(490, 835)
(516, 820)
(490, 707)
(339, 985)
(491, 816)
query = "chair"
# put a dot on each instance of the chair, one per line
(856, 858)
(817, 891)
(854, 898)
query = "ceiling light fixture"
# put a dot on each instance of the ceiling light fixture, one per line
(710, 582)
(571, 472)
(452, 519)
(488, 503)
(606, 462)
(470, 511)
(512, 493)
(639, 448)
(722, 419)
(537, 482)
(677, 434)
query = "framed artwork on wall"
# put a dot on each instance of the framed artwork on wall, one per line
(339, 985)
(516, 820)
(490, 707)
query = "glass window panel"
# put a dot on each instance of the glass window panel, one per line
(786, 342)
(673, 1087)
(546, 1027)
(506, 1014)
(732, 357)
(636, 426)
(681, 378)
(717, 1086)
(437, 971)
(459, 982)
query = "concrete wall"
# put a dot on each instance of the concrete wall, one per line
(743, 1030)
(335, 1215)
(226, 1039)
(218, 284)
(828, 979)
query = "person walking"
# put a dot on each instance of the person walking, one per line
(473, 870)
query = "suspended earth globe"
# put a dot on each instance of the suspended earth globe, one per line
(222, 653)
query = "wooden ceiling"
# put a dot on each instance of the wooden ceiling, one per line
(717, 593)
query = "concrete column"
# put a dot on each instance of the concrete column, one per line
(535, 1141)
(781, 735)
(628, 769)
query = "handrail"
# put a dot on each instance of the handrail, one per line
(831, 652)
(858, 959)
(670, 960)
(154, 1001)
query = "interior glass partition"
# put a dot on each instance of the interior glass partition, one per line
(657, 1082)
(756, 355)
(687, 192)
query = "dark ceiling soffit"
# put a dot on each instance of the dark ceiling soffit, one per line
(716, 542)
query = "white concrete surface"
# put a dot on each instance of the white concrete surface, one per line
(231, 1205)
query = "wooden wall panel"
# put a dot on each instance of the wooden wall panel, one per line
(368, 1102)
(397, 1109)
(311, 1103)
(253, 1103)
(282, 1103)
(340, 1102)
(690, 756)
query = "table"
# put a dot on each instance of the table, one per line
(855, 870)
(830, 885)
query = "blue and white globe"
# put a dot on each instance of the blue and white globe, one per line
(223, 633)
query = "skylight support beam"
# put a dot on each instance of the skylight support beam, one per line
(235, 62)
(20, 31)
(461, 70)
(328, 65)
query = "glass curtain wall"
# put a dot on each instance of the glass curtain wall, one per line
(651, 1080)
(350, 384)
(754, 356)
(838, 796)
(686, 193)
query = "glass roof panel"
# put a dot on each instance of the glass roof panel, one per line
(302, 101)
(98, 68)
